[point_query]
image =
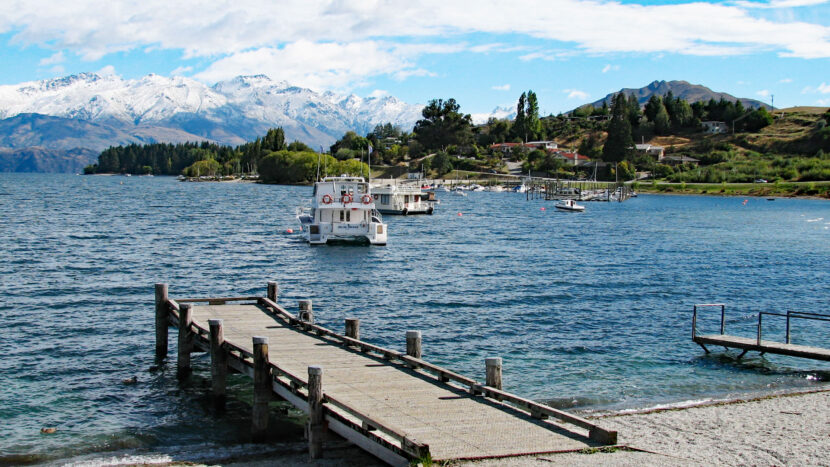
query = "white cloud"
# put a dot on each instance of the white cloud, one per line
(203, 29)
(763, 93)
(315, 65)
(181, 70)
(53, 59)
(823, 102)
(377, 93)
(822, 88)
(503, 87)
(108, 70)
(780, 3)
(786, 80)
(238, 34)
(610, 67)
(576, 94)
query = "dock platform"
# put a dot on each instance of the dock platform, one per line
(393, 405)
(757, 344)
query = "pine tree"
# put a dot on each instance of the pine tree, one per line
(619, 142)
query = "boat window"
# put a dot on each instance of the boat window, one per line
(348, 216)
(384, 199)
(341, 216)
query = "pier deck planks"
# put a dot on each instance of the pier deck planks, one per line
(745, 343)
(455, 424)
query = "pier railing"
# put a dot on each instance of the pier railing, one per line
(757, 343)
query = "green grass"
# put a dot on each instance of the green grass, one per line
(784, 189)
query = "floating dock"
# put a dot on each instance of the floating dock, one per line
(394, 405)
(758, 344)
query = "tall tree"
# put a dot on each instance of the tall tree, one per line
(443, 125)
(619, 142)
(533, 126)
(520, 125)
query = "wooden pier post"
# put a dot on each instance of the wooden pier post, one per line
(316, 427)
(306, 312)
(353, 328)
(161, 321)
(262, 389)
(493, 366)
(218, 362)
(273, 291)
(413, 345)
(185, 339)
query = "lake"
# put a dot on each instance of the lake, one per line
(590, 311)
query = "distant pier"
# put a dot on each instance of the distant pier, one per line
(577, 190)
(394, 405)
(757, 343)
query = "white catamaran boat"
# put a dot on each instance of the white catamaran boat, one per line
(392, 197)
(342, 209)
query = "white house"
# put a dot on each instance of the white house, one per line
(649, 149)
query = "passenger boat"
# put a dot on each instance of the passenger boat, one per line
(392, 197)
(569, 205)
(342, 209)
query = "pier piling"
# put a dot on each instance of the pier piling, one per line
(353, 328)
(218, 362)
(306, 312)
(316, 426)
(273, 291)
(185, 340)
(262, 389)
(161, 321)
(493, 368)
(413, 345)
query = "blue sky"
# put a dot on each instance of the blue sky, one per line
(483, 53)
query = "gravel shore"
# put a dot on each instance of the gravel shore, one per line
(780, 430)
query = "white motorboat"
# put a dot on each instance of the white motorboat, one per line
(342, 209)
(393, 197)
(569, 205)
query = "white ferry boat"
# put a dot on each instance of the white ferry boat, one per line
(392, 197)
(342, 209)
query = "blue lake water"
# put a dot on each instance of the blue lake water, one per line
(590, 311)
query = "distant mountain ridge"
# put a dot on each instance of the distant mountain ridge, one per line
(683, 89)
(92, 112)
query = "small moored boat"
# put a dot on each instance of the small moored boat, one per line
(569, 205)
(392, 197)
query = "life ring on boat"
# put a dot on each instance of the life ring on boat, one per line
(347, 199)
(366, 199)
(327, 199)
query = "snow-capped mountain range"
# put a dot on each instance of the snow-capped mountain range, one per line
(230, 112)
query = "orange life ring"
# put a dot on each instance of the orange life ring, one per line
(367, 199)
(327, 199)
(347, 199)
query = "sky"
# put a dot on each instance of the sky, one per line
(483, 53)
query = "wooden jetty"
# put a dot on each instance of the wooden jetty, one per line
(394, 405)
(757, 344)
